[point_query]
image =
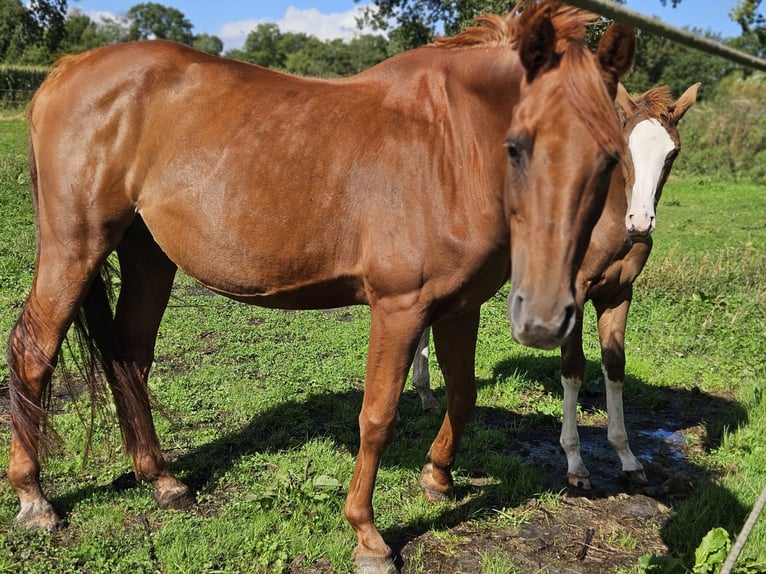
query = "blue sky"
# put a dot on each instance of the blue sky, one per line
(231, 20)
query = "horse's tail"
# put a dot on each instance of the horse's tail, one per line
(90, 343)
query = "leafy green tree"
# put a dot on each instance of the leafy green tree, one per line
(49, 17)
(753, 24)
(115, 30)
(208, 43)
(262, 46)
(80, 33)
(150, 20)
(15, 25)
(662, 61)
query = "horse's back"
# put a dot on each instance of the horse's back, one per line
(262, 185)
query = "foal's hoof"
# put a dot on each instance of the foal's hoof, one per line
(635, 477)
(578, 481)
(38, 516)
(434, 490)
(374, 565)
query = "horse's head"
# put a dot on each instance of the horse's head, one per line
(651, 134)
(563, 142)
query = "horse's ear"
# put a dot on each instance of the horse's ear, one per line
(615, 53)
(537, 45)
(624, 101)
(686, 101)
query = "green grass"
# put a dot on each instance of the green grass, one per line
(262, 409)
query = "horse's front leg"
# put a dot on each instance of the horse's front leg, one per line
(455, 342)
(572, 375)
(394, 332)
(612, 319)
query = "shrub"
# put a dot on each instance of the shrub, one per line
(18, 83)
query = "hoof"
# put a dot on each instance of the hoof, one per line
(38, 516)
(176, 498)
(578, 481)
(429, 403)
(635, 477)
(374, 565)
(433, 490)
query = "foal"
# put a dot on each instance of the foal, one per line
(619, 248)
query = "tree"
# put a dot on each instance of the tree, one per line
(49, 17)
(80, 33)
(262, 46)
(753, 25)
(416, 21)
(208, 43)
(14, 30)
(150, 20)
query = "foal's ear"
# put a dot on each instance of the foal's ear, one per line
(686, 101)
(537, 45)
(624, 101)
(615, 53)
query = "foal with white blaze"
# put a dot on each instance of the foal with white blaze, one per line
(616, 254)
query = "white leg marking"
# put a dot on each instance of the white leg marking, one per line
(570, 439)
(616, 433)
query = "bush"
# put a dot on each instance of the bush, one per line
(18, 83)
(726, 136)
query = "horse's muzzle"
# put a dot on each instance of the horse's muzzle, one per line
(536, 330)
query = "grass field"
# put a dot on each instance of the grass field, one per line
(262, 409)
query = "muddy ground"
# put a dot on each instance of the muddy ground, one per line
(602, 530)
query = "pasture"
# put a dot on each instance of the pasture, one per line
(260, 419)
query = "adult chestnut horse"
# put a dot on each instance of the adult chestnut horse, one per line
(303, 193)
(619, 248)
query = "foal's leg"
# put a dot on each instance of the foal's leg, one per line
(421, 379)
(572, 375)
(393, 336)
(455, 341)
(64, 270)
(147, 278)
(612, 319)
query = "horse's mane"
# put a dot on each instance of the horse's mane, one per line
(656, 103)
(579, 68)
(494, 30)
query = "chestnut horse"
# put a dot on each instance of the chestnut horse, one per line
(619, 248)
(303, 193)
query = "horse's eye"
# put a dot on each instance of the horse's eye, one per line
(515, 150)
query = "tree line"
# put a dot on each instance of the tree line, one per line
(37, 32)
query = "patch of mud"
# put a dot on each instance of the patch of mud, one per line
(603, 530)
(576, 535)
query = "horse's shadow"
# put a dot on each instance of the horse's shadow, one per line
(530, 437)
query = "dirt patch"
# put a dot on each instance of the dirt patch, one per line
(605, 529)
(598, 531)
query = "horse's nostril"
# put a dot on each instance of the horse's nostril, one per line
(516, 306)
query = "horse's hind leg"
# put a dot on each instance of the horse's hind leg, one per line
(63, 274)
(147, 278)
(421, 378)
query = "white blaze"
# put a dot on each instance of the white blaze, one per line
(649, 145)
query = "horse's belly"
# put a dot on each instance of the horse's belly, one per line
(269, 267)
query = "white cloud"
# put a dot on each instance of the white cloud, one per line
(325, 26)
